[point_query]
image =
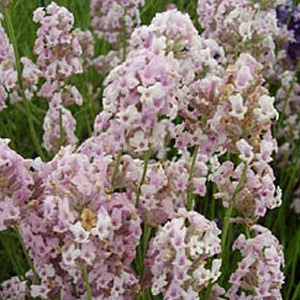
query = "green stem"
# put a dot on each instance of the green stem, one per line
(231, 205)
(295, 259)
(181, 5)
(86, 282)
(291, 183)
(116, 169)
(146, 236)
(61, 128)
(247, 231)
(297, 291)
(33, 133)
(7, 126)
(146, 162)
(28, 259)
(290, 14)
(87, 121)
(142, 248)
(213, 205)
(124, 37)
(58, 296)
(13, 40)
(191, 174)
(229, 213)
(208, 292)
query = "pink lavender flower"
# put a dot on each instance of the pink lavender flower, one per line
(165, 186)
(105, 63)
(86, 41)
(242, 26)
(178, 255)
(78, 222)
(8, 74)
(61, 52)
(30, 77)
(258, 193)
(173, 31)
(109, 18)
(179, 52)
(15, 185)
(13, 288)
(245, 110)
(199, 61)
(137, 95)
(58, 47)
(114, 21)
(52, 131)
(259, 271)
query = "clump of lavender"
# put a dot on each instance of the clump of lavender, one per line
(57, 48)
(242, 26)
(111, 18)
(53, 131)
(178, 256)
(259, 273)
(164, 188)
(16, 182)
(61, 52)
(8, 74)
(76, 223)
(137, 95)
(114, 21)
(13, 288)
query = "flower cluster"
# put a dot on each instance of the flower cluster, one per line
(164, 189)
(114, 22)
(258, 193)
(241, 124)
(242, 26)
(178, 256)
(139, 95)
(13, 289)
(112, 18)
(58, 124)
(57, 47)
(8, 74)
(259, 273)
(15, 185)
(86, 41)
(235, 114)
(174, 32)
(152, 87)
(61, 52)
(76, 223)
